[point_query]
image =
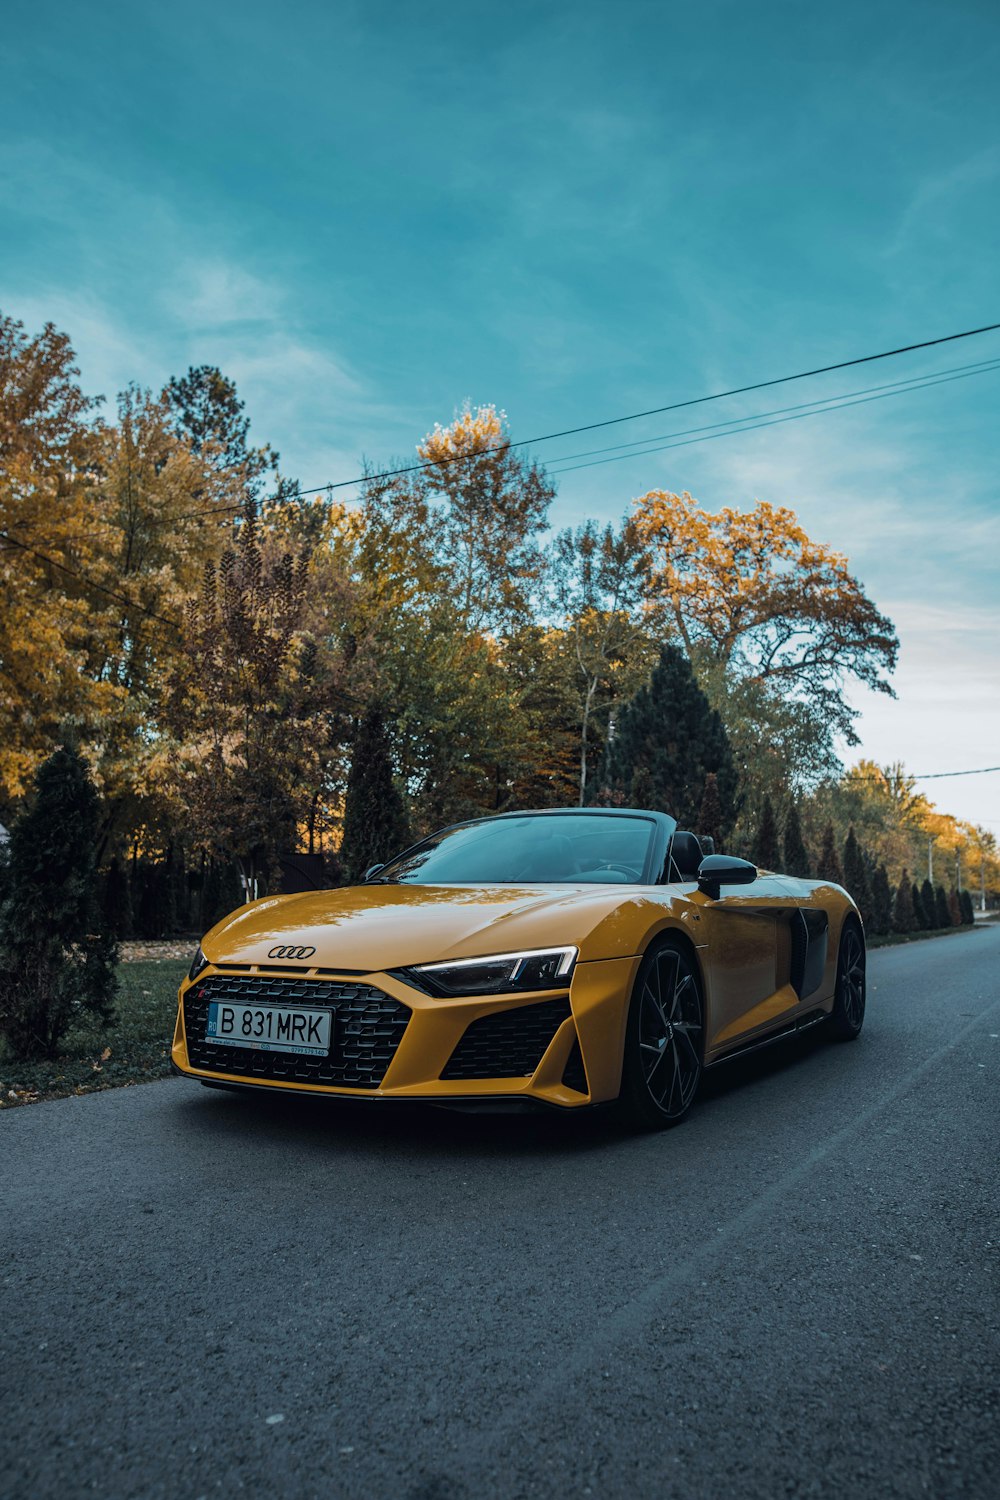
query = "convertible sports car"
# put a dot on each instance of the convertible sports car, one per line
(565, 958)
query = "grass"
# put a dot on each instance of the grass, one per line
(892, 939)
(135, 1049)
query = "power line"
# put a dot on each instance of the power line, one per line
(654, 411)
(751, 425)
(635, 448)
(923, 775)
(13, 541)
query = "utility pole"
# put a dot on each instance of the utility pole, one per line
(982, 878)
(930, 858)
(958, 869)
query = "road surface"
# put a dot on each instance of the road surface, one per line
(797, 1293)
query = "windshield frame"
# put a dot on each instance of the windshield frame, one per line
(654, 870)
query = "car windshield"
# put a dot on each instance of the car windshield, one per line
(568, 847)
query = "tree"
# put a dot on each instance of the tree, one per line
(903, 919)
(487, 506)
(753, 593)
(920, 917)
(57, 956)
(856, 880)
(965, 902)
(665, 742)
(209, 414)
(375, 824)
(942, 912)
(954, 909)
(829, 864)
(796, 854)
(766, 853)
(117, 901)
(597, 585)
(710, 816)
(881, 901)
(927, 901)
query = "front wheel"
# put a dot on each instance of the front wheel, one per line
(848, 1014)
(662, 1063)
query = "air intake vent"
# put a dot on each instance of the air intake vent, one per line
(509, 1044)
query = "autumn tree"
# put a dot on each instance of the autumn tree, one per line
(796, 861)
(597, 587)
(248, 707)
(375, 823)
(750, 592)
(487, 506)
(665, 742)
(57, 954)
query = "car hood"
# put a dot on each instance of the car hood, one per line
(371, 928)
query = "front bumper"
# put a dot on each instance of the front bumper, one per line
(439, 1051)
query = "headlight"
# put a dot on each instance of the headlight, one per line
(500, 973)
(198, 963)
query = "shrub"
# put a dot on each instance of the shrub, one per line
(57, 955)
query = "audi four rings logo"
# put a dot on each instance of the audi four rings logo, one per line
(284, 952)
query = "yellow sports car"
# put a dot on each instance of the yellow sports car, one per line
(565, 958)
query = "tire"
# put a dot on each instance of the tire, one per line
(848, 1014)
(664, 1039)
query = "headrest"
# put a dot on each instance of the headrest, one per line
(685, 852)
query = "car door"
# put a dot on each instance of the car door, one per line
(745, 937)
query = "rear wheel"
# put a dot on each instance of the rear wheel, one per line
(662, 1063)
(848, 1014)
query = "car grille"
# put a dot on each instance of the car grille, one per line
(509, 1044)
(368, 1026)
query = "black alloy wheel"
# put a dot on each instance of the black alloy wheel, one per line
(664, 1039)
(848, 1014)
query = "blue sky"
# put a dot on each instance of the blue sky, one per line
(367, 213)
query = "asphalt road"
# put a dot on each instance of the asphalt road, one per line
(797, 1293)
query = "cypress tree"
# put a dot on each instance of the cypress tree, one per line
(965, 902)
(954, 910)
(57, 956)
(669, 732)
(856, 876)
(881, 901)
(902, 912)
(375, 825)
(942, 915)
(767, 856)
(829, 864)
(919, 911)
(928, 903)
(710, 816)
(796, 853)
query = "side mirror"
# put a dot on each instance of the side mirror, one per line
(717, 870)
(372, 870)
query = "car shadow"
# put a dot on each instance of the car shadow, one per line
(377, 1126)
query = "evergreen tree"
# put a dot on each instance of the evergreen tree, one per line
(954, 910)
(829, 864)
(669, 732)
(928, 903)
(919, 911)
(796, 853)
(766, 853)
(375, 825)
(881, 901)
(965, 902)
(57, 956)
(856, 876)
(942, 916)
(903, 919)
(710, 817)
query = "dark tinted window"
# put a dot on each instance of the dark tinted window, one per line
(574, 847)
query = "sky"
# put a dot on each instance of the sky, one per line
(367, 214)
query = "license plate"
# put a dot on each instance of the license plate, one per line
(270, 1028)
